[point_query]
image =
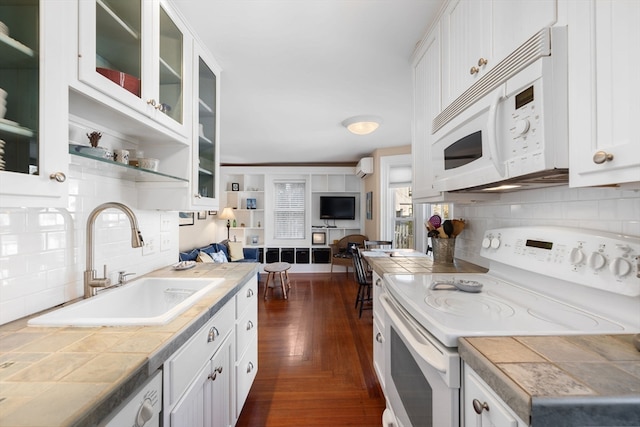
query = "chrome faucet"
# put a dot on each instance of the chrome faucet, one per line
(91, 282)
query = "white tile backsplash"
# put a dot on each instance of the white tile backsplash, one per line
(604, 209)
(42, 251)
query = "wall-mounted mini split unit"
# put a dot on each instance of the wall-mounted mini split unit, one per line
(364, 167)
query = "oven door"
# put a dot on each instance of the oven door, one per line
(422, 377)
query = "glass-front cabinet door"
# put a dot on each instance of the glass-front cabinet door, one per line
(206, 145)
(33, 105)
(170, 70)
(135, 51)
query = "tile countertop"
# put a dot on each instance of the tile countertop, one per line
(418, 265)
(561, 380)
(71, 376)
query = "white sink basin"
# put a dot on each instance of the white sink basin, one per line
(145, 302)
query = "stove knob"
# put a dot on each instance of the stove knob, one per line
(486, 242)
(620, 267)
(495, 243)
(597, 260)
(576, 256)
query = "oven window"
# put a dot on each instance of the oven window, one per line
(413, 388)
(463, 151)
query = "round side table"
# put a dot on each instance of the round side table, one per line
(282, 269)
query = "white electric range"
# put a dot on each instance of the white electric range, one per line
(541, 281)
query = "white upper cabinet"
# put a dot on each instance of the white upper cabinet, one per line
(515, 21)
(139, 53)
(466, 43)
(426, 105)
(477, 35)
(33, 103)
(603, 92)
(206, 148)
(202, 192)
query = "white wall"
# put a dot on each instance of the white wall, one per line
(42, 251)
(203, 232)
(603, 209)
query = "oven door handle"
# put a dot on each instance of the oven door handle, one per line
(407, 327)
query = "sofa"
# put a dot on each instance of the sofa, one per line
(231, 251)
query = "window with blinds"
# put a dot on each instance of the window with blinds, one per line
(289, 208)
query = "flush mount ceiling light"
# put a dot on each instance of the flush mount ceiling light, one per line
(362, 125)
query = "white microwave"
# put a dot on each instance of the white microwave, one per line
(509, 130)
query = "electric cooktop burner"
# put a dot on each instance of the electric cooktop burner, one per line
(460, 304)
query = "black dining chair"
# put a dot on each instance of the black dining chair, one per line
(363, 277)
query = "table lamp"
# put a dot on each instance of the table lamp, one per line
(227, 213)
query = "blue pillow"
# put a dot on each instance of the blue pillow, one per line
(222, 248)
(189, 256)
(209, 250)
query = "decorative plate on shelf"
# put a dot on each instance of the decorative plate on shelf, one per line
(184, 265)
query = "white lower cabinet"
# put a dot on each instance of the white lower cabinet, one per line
(378, 329)
(207, 401)
(482, 407)
(246, 366)
(206, 381)
(246, 371)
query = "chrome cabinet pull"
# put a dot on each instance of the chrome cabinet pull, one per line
(58, 176)
(479, 406)
(379, 338)
(378, 282)
(249, 293)
(213, 334)
(212, 376)
(601, 157)
(249, 325)
(249, 367)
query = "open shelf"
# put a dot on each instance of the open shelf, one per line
(112, 169)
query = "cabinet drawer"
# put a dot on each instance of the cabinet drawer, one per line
(184, 364)
(247, 328)
(246, 370)
(378, 311)
(247, 295)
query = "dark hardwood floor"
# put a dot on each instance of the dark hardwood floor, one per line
(315, 357)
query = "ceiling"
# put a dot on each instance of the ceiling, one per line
(293, 70)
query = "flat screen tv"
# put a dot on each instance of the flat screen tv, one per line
(337, 207)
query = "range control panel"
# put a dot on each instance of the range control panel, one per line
(591, 258)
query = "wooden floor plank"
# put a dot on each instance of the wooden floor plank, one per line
(315, 358)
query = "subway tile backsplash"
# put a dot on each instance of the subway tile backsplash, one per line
(42, 251)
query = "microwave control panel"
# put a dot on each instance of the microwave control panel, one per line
(524, 124)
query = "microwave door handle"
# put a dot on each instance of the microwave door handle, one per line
(423, 347)
(491, 131)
